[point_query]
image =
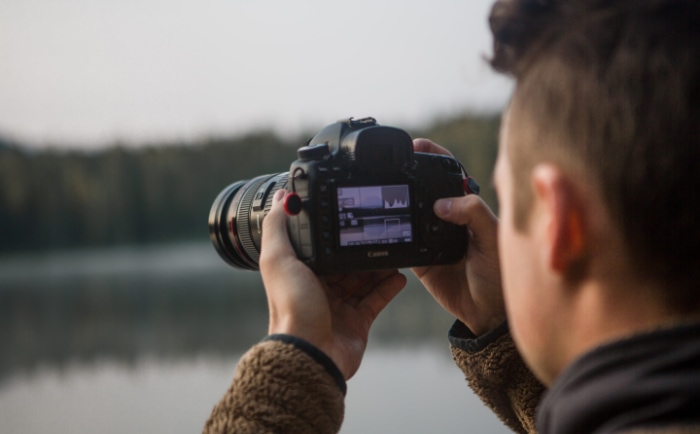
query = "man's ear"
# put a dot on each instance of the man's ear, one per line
(562, 208)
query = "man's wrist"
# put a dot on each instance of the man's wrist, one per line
(460, 336)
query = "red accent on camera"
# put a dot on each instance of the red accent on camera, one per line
(470, 185)
(292, 204)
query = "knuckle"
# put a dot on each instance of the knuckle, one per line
(265, 254)
(469, 207)
(466, 205)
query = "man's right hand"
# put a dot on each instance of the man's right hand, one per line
(471, 289)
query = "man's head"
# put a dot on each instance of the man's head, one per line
(608, 93)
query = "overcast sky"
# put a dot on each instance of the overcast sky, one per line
(90, 72)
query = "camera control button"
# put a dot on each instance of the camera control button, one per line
(435, 226)
(261, 195)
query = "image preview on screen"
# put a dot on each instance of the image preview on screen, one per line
(374, 215)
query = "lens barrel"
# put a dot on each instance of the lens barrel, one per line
(235, 218)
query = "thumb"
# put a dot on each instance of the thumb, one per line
(275, 240)
(469, 210)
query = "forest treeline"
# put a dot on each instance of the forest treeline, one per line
(54, 199)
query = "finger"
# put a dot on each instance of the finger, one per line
(355, 284)
(383, 293)
(468, 210)
(429, 147)
(275, 239)
(333, 279)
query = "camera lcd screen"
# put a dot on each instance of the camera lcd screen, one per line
(374, 215)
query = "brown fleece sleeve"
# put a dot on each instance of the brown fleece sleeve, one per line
(278, 388)
(498, 375)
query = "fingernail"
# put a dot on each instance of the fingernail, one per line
(279, 194)
(442, 206)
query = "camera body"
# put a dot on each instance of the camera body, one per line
(363, 201)
(368, 201)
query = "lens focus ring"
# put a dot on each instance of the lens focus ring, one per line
(244, 227)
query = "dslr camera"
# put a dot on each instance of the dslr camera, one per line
(358, 199)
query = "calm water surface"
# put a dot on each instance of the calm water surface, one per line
(147, 339)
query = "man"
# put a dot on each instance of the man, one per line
(597, 250)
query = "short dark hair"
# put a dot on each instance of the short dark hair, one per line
(614, 87)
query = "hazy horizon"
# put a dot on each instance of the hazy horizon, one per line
(87, 74)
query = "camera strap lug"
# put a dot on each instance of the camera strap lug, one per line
(471, 186)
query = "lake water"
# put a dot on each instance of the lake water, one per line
(147, 339)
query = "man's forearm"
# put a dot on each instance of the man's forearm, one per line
(497, 374)
(279, 387)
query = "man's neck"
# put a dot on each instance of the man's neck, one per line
(600, 314)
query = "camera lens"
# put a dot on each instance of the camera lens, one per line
(235, 218)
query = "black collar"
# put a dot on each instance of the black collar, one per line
(648, 380)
